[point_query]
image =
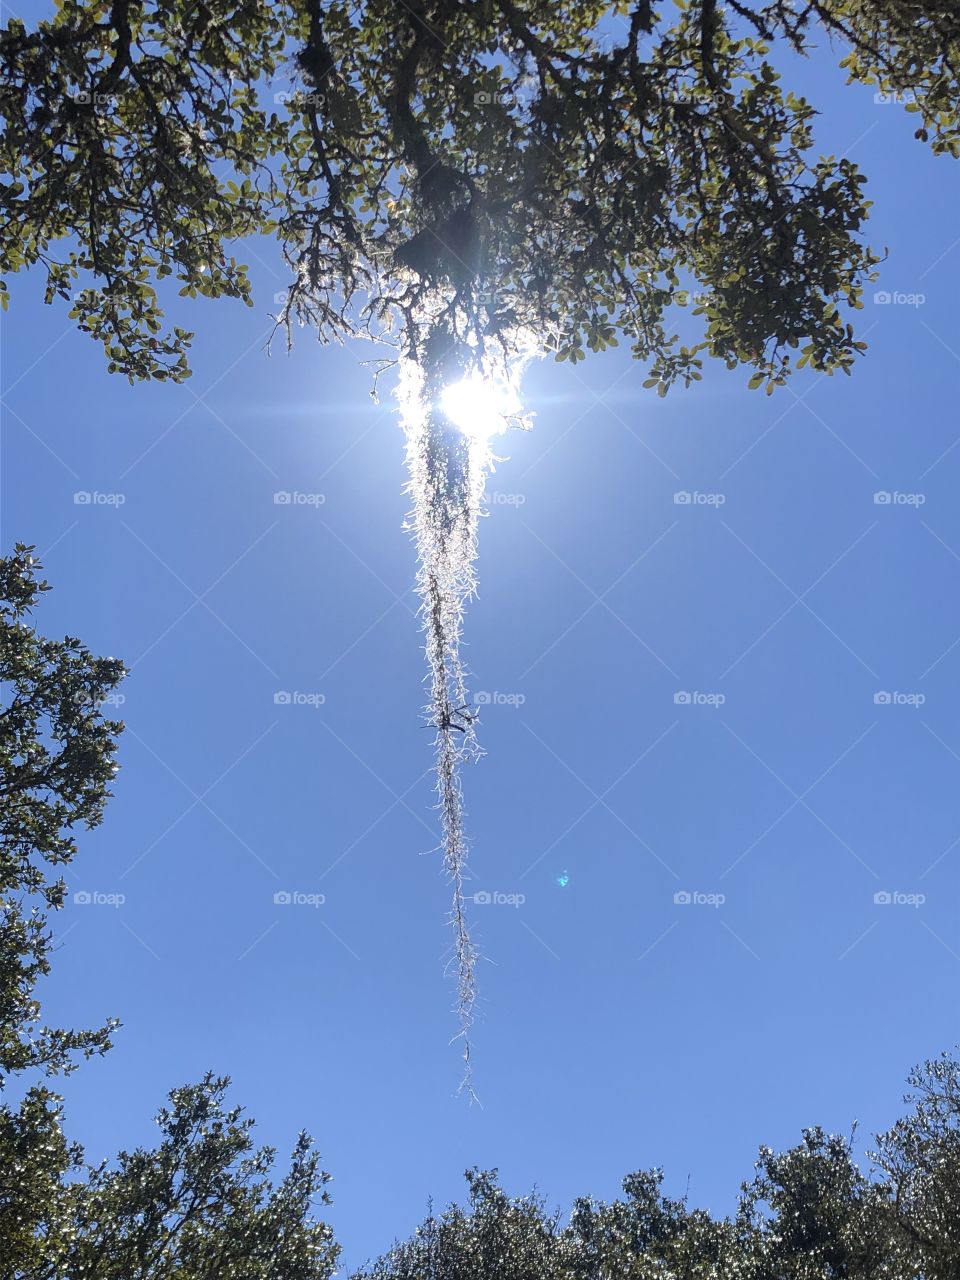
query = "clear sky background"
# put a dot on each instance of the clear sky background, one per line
(618, 1028)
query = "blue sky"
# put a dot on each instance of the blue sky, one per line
(681, 699)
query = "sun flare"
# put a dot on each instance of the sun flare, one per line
(480, 407)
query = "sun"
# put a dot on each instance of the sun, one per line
(480, 407)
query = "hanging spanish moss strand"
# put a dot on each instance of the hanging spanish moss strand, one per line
(447, 476)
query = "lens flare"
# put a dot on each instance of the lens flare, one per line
(480, 407)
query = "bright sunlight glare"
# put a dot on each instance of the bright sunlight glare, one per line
(479, 406)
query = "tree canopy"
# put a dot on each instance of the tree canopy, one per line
(57, 752)
(205, 1203)
(809, 1213)
(469, 173)
(202, 1203)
